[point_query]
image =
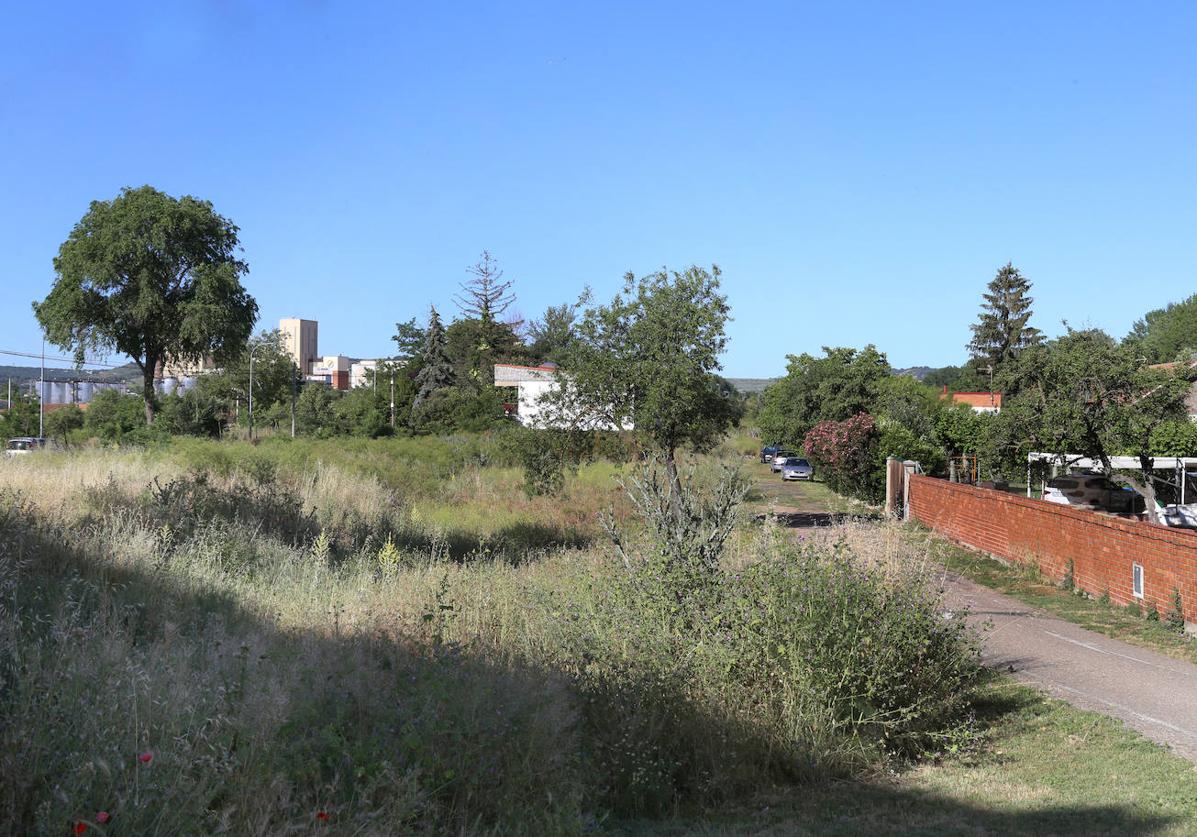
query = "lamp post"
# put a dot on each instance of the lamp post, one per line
(252, 349)
(41, 396)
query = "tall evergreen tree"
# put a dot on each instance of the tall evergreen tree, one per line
(1001, 330)
(437, 371)
(483, 300)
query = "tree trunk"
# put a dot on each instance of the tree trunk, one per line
(675, 483)
(1145, 465)
(147, 389)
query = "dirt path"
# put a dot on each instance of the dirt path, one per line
(1154, 694)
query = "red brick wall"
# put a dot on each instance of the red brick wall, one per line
(1102, 548)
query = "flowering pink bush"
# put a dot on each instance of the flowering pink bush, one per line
(843, 453)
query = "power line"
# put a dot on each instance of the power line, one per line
(37, 356)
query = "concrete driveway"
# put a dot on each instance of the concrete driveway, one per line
(1154, 694)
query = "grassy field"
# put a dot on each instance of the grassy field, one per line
(387, 637)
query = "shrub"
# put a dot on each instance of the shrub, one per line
(1069, 581)
(844, 453)
(702, 683)
(1176, 612)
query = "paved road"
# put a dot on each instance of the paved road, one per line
(1154, 694)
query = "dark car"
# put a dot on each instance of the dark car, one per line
(768, 451)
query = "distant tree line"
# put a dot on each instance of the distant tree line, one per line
(158, 279)
(1083, 392)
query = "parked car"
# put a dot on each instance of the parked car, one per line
(780, 458)
(768, 451)
(1095, 492)
(797, 468)
(23, 445)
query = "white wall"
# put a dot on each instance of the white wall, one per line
(533, 412)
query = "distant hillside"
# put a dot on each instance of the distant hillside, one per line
(128, 374)
(749, 386)
(916, 372)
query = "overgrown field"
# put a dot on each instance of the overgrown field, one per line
(382, 637)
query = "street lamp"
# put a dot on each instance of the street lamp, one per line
(252, 349)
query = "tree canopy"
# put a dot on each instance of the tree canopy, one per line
(1086, 394)
(834, 387)
(1166, 333)
(650, 357)
(154, 277)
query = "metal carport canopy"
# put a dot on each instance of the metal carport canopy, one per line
(1118, 463)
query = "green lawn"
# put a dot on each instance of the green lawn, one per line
(1026, 583)
(1039, 766)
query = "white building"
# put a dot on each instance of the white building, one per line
(537, 403)
(359, 370)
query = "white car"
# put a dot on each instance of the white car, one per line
(1095, 492)
(780, 458)
(23, 445)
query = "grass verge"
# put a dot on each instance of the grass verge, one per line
(1039, 766)
(1026, 583)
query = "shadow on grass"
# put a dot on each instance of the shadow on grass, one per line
(444, 736)
(887, 807)
(515, 544)
(808, 520)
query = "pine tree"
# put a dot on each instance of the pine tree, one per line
(484, 299)
(486, 296)
(1001, 330)
(437, 371)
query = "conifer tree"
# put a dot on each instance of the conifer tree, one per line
(483, 300)
(1001, 330)
(437, 371)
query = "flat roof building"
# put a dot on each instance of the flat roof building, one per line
(300, 341)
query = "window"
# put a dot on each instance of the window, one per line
(1137, 580)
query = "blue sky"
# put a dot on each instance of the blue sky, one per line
(858, 170)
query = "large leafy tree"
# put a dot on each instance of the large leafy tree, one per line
(475, 347)
(1166, 333)
(1002, 330)
(650, 357)
(1085, 394)
(153, 277)
(551, 336)
(834, 387)
(409, 341)
(275, 374)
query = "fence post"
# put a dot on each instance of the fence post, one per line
(895, 479)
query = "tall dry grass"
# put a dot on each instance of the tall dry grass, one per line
(290, 640)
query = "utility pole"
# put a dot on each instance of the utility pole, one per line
(294, 380)
(41, 396)
(392, 398)
(251, 393)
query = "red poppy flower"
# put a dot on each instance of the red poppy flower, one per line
(322, 816)
(80, 827)
(146, 757)
(103, 817)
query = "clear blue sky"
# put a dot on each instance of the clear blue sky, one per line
(859, 171)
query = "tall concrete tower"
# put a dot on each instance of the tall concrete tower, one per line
(299, 340)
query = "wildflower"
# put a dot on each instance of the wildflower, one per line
(102, 817)
(322, 816)
(80, 827)
(146, 757)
